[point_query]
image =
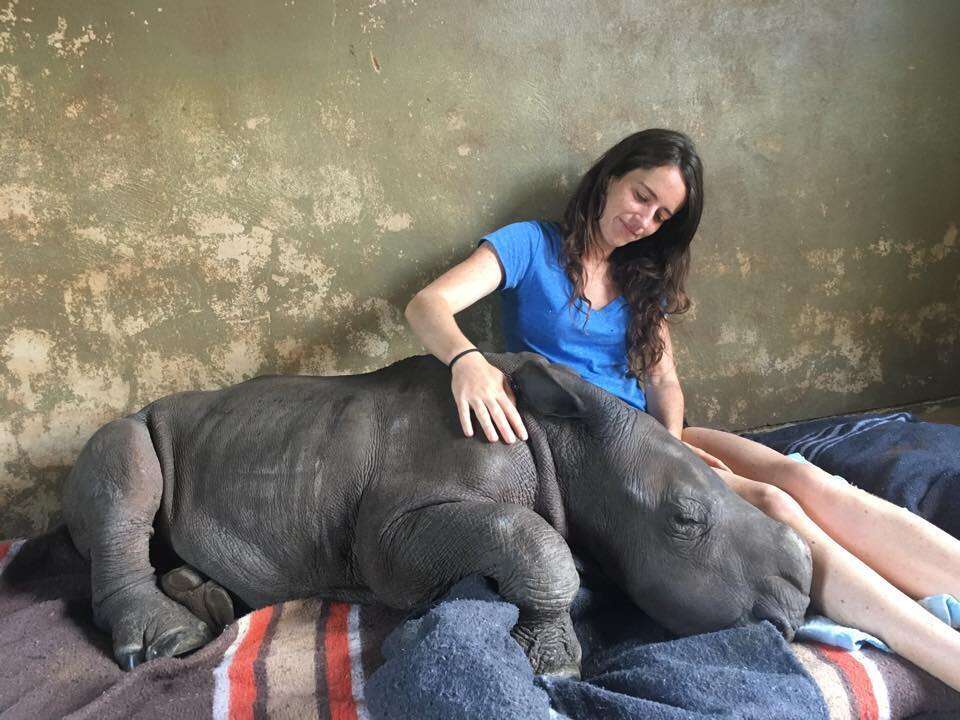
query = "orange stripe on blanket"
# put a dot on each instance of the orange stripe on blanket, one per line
(243, 686)
(857, 677)
(336, 648)
(8, 551)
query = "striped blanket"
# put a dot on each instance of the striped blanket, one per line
(301, 659)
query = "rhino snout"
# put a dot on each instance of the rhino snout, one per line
(781, 603)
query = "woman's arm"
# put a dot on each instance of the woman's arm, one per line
(476, 384)
(662, 388)
(665, 397)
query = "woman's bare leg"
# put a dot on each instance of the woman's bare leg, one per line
(916, 556)
(849, 592)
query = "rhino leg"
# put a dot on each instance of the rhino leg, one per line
(110, 500)
(423, 553)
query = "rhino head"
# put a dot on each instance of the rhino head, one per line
(687, 550)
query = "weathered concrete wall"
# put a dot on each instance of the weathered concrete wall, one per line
(194, 193)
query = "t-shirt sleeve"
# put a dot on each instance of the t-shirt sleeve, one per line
(517, 246)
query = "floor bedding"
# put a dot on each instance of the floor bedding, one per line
(317, 659)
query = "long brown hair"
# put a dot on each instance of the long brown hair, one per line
(651, 273)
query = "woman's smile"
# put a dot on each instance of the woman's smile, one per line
(634, 233)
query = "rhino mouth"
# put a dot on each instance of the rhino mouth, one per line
(786, 626)
(782, 604)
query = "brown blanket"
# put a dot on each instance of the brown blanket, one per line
(302, 659)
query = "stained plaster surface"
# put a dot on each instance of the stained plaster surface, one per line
(195, 193)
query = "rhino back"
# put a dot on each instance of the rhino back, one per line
(270, 484)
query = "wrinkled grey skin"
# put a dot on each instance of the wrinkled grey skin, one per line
(364, 488)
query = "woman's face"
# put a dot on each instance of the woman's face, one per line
(639, 203)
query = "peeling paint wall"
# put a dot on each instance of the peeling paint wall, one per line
(196, 193)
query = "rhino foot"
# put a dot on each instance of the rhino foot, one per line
(551, 646)
(145, 624)
(203, 597)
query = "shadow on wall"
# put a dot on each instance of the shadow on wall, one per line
(35, 507)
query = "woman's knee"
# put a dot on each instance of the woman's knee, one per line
(776, 503)
(694, 435)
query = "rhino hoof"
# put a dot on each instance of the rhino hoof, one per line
(178, 642)
(551, 646)
(565, 672)
(180, 580)
(146, 624)
(128, 659)
(175, 641)
(204, 598)
(219, 605)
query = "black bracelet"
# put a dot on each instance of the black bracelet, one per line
(460, 355)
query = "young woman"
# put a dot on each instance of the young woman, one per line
(593, 292)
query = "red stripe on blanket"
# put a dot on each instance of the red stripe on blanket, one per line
(243, 686)
(856, 677)
(337, 650)
(5, 548)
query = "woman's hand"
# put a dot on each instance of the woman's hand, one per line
(707, 457)
(479, 386)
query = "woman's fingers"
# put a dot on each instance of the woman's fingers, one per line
(717, 462)
(463, 410)
(483, 417)
(707, 457)
(498, 418)
(483, 389)
(509, 407)
(495, 408)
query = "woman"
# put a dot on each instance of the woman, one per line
(593, 292)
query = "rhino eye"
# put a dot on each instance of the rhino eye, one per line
(686, 525)
(685, 522)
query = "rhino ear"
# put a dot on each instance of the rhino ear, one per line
(551, 389)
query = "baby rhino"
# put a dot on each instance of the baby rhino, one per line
(363, 488)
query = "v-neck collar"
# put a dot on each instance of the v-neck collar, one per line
(618, 300)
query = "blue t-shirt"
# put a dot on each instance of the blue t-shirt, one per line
(537, 315)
